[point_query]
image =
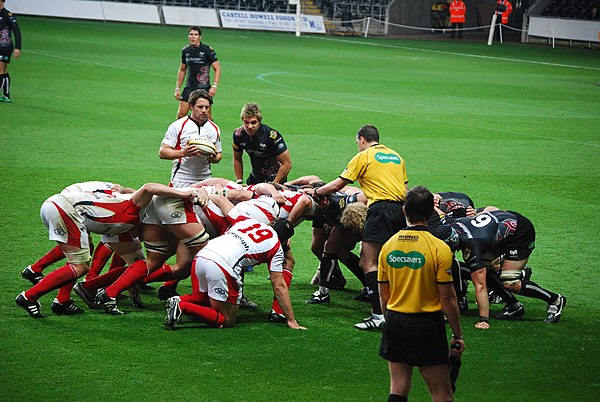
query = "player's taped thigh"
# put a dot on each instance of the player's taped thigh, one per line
(134, 256)
(196, 240)
(160, 247)
(511, 277)
(78, 256)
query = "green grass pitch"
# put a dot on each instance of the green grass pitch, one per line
(511, 125)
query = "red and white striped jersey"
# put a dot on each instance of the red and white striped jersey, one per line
(213, 219)
(89, 186)
(264, 209)
(191, 169)
(248, 242)
(107, 214)
(291, 199)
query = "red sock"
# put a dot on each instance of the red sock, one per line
(172, 283)
(103, 280)
(162, 274)
(117, 262)
(135, 272)
(53, 280)
(207, 315)
(64, 293)
(287, 277)
(197, 298)
(49, 258)
(101, 256)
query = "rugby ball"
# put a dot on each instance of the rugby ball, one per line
(206, 147)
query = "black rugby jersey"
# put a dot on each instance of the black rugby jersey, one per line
(263, 148)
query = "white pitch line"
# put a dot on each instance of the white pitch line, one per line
(315, 100)
(479, 56)
(96, 63)
(412, 116)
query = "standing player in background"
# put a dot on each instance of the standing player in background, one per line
(8, 26)
(381, 173)
(197, 59)
(269, 156)
(189, 164)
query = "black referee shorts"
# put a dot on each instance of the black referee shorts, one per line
(384, 219)
(415, 339)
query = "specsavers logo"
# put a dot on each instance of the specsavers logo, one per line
(399, 259)
(385, 158)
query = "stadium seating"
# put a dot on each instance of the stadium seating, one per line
(579, 9)
(358, 9)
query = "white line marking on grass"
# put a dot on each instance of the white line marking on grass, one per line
(96, 63)
(478, 56)
(411, 58)
(341, 105)
(412, 116)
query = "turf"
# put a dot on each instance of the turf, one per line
(513, 126)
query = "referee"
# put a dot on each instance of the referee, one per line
(381, 174)
(415, 286)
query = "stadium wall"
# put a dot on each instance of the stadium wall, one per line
(168, 15)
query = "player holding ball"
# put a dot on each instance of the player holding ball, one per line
(187, 143)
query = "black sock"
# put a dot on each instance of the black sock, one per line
(5, 84)
(373, 291)
(352, 265)
(532, 289)
(328, 263)
(397, 398)
(457, 279)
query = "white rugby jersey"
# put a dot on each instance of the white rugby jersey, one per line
(248, 242)
(291, 199)
(264, 209)
(213, 219)
(89, 186)
(107, 214)
(191, 168)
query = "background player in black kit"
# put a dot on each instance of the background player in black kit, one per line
(491, 234)
(8, 26)
(269, 156)
(197, 59)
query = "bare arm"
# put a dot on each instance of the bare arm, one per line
(303, 180)
(269, 189)
(238, 165)
(283, 296)
(302, 207)
(180, 77)
(216, 158)
(170, 153)
(450, 306)
(143, 196)
(216, 66)
(333, 186)
(384, 295)
(286, 165)
(222, 202)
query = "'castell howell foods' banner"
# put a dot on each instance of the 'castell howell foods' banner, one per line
(271, 21)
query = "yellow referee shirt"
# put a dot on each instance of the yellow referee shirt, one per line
(414, 261)
(381, 174)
